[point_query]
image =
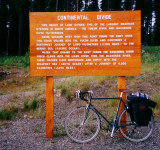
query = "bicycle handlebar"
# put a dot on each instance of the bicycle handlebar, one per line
(80, 94)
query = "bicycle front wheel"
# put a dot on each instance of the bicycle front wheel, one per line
(133, 132)
(79, 129)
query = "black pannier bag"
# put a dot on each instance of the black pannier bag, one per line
(139, 108)
(143, 114)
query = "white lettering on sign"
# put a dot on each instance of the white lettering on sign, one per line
(72, 17)
(105, 17)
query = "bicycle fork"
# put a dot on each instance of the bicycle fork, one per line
(86, 115)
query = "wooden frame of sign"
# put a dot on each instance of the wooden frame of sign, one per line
(84, 44)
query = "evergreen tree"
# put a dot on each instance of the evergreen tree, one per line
(93, 6)
(105, 5)
(4, 28)
(115, 5)
(80, 5)
(14, 18)
(157, 23)
(146, 7)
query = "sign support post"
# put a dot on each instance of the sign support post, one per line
(122, 85)
(49, 106)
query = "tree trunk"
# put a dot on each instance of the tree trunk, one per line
(77, 4)
(8, 42)
(20, 29)
(0, 5)
(31, 6)
(67, 5)
(108, 6)
(57, 6)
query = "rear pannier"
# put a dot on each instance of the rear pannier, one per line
(139, 108)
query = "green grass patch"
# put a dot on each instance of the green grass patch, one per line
(155, 97)
(68, 95)
(63, 90)
(59, 131)
(150, 58)
(2, 93)
(25, 105)
(18, 61)
(32, 106)
(9, 113)
(5, 115)
(150, 54)
(150, 67)
(40, 113)
(66, 92)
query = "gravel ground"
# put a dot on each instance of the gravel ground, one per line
(29, 134)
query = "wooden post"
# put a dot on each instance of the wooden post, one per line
(122, 85)
(49, 107)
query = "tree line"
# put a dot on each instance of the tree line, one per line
(14, 19)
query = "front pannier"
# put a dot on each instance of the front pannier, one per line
(139, 108)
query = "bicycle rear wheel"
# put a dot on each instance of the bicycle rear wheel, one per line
(133, 132)
(79, 131)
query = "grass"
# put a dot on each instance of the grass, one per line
(150, 54)
(40, 113)
(2, 93)
(150, 70)
(68, 95)
(63, 90)
(13, 111)
(59, 131)
(156, 96)
(18, 61)
(9, 113)
(32, 106)
(79, 83)
(5, 115)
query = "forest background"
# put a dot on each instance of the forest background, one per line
(14, 19)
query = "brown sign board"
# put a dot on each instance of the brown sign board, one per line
(85, 43)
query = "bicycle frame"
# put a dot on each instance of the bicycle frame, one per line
(100, 114)
(82, 124)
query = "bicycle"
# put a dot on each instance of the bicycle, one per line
(83, 123)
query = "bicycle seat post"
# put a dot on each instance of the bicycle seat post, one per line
(121, 94)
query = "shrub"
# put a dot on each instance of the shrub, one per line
(5, 115)
(26, 104)
(9, 113)
(68, 95)
(26, 60)
(12, 109)
(63, 90)
(33, 104)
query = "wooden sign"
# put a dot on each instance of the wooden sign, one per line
(85, 43)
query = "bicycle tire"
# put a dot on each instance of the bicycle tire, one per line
(133, 132)
(74, 125)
